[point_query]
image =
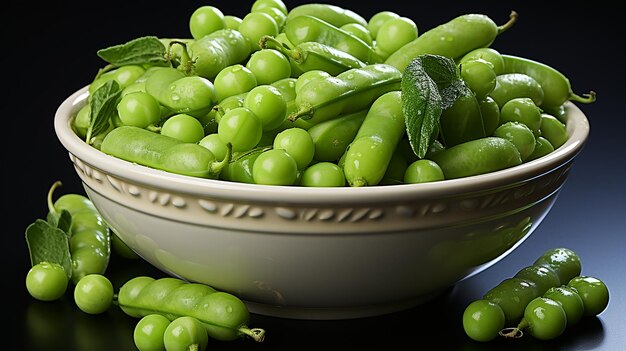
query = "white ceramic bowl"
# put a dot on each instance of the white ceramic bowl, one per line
(321, 253)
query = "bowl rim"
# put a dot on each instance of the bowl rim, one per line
(577, 128)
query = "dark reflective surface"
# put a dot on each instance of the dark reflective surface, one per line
(50, 53)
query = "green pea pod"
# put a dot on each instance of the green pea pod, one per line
(191, 95)
(331, 138)
(90, 237)
(223, 315)
(240, 168)
(516, 85)
(368, 156)
(335, 15)
(478, 156)
(556, 87)
(218, 50)
(453, 39)
(356, 89)
(159, 151)
(306, 28)
(312, 55)
(462, 121)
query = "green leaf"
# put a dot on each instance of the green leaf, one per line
(103, 107)
(61, 220)
(48, 243)
(430, 84)
(139, 51)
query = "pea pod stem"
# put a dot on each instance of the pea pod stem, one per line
(257, 334)
(512, 19)
(585, 98)
(217, 166)
(269, 42)
(186, 63)
(515, 332)
(55, 185)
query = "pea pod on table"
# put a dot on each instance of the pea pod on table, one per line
(224, 315)
(453, 39)
(312, 55)
(158, 151)
(322, 99)
(90, 239)
(308, 28)
(556, 86)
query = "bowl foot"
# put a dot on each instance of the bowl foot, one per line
(336, 313)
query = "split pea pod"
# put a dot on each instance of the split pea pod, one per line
(331, 138)
(475, 157)
(325, 98)
(453, 39)
(162, 152)
(556, 86)
(335, 15)
(224, 315)
(368, 156)
(312, 55)
(306, 28)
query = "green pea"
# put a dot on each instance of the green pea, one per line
(267, 104)
(158, 151)
(563, 261)
(593, 292)
(512, 295)
(94, 294)
(279, 17)
(275, 167)
(522, 110)
(378, 19)
(323, 174)
(569, 299)
(232, 22)
(490, 111)
(306, 77)
(423, 171)
(490, 55)
(542, 148)
(479, 76)
(482, 320)
(553, 130)
(183, 127)
(46, 281)
(298, 143)
(544, 319)
(369, 154)
(520, 135)
(240, 169)
(205, 20)
(395, 33)
(215, 145)
(81, 122)
(149, 331)
(358, 30)
(333, 14)
(453, 39)
(255, 25)
(233, 80)
(478, 156)
(262, 4)
(185, 334)
(516, 85)
(268, 66)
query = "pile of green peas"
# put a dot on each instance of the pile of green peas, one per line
(285, 97)
(542, 299)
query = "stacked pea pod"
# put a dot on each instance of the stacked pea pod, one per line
(543, 299)
(285, 96)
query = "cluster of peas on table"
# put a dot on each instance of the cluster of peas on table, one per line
(542, 299)
(174, 315)
(312, 96)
